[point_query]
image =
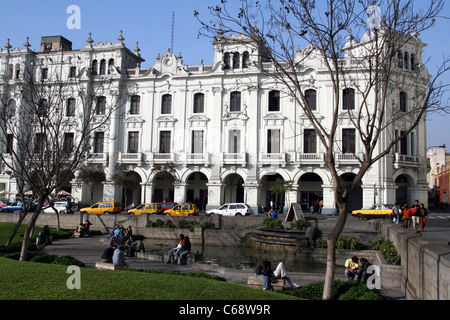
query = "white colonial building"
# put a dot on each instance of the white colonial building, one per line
(223, 132)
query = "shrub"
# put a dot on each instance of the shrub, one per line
(43, 258)
(387, 250)
(342, 290)
(68, 261)
(300, 224)
(351, 243)
(274, 224)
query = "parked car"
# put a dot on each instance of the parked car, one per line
(167, 205)
(375, 211)
(232, 209)
(184, 209)
(60, 206)
(17, 206)
(149, 208)
(104, 207)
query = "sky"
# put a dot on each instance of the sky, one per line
(149, 22)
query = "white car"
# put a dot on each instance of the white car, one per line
(61, 207)
(232, 209)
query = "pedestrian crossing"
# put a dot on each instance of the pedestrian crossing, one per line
(432, 216)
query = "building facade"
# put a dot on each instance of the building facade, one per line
(224, 132)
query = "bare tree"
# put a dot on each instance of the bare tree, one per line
(47, 123)
(373, 66)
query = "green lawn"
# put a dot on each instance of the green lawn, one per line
(29, 280)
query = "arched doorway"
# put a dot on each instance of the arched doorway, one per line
(163, 188)
(310, 190)
(233, 190)
(197, 190)
(131, 189)
(355, 201)
(273, 189)
(403, 184)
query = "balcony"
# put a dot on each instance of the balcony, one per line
(310, 158)
(197, 158)
(160, 158)
(234, 159)
(98, 157)
(131, 158)
(273, 159)
(403, 160)
(348, 158)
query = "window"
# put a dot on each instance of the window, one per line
(110, 65)
(399, 59)
(94, 67)
(17, 76)
(403, 144)
(164, 141)
(68, 142)
(11, 108)
(72, 72)
(133, 142)
(101, 106)
(103, 67)
(413, 62)
(9, 143)
(310, 97)
(348, 141)
(274, 100)
(412, 148)
(309, 141)
(99, 139)
(235, 101)
(135, 105)
(273, 141)
(234, 143)
(245, 60)
(226, 60)
(166, 106)
(199, 102)
(39, 143)
(348, 101)
(197, 141)
(44, 74)
(70, 108)
(403, 101)
(236, 60)
(42, 108)
(406, 60)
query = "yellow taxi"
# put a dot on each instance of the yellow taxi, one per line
(104, 207)
(184, 209)
(149, 208)
(376, 211)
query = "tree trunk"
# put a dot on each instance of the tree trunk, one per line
(16, 228)
(27, 235)
(331, 252)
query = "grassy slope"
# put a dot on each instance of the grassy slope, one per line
(28, 280)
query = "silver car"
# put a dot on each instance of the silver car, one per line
(232, 209)
(60, 206)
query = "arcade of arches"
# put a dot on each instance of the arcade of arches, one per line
(308, 190)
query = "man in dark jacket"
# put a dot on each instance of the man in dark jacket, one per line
(108, 254)
(263, 270)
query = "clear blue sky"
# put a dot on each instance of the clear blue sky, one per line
(150, 23)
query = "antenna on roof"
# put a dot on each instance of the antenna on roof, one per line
(173, 31)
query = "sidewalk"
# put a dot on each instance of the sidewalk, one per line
(88, 250)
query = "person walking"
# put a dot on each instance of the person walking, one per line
(423, 213)
(415, 214)
(406, 216)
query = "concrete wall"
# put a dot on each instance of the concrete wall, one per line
(425, 263)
